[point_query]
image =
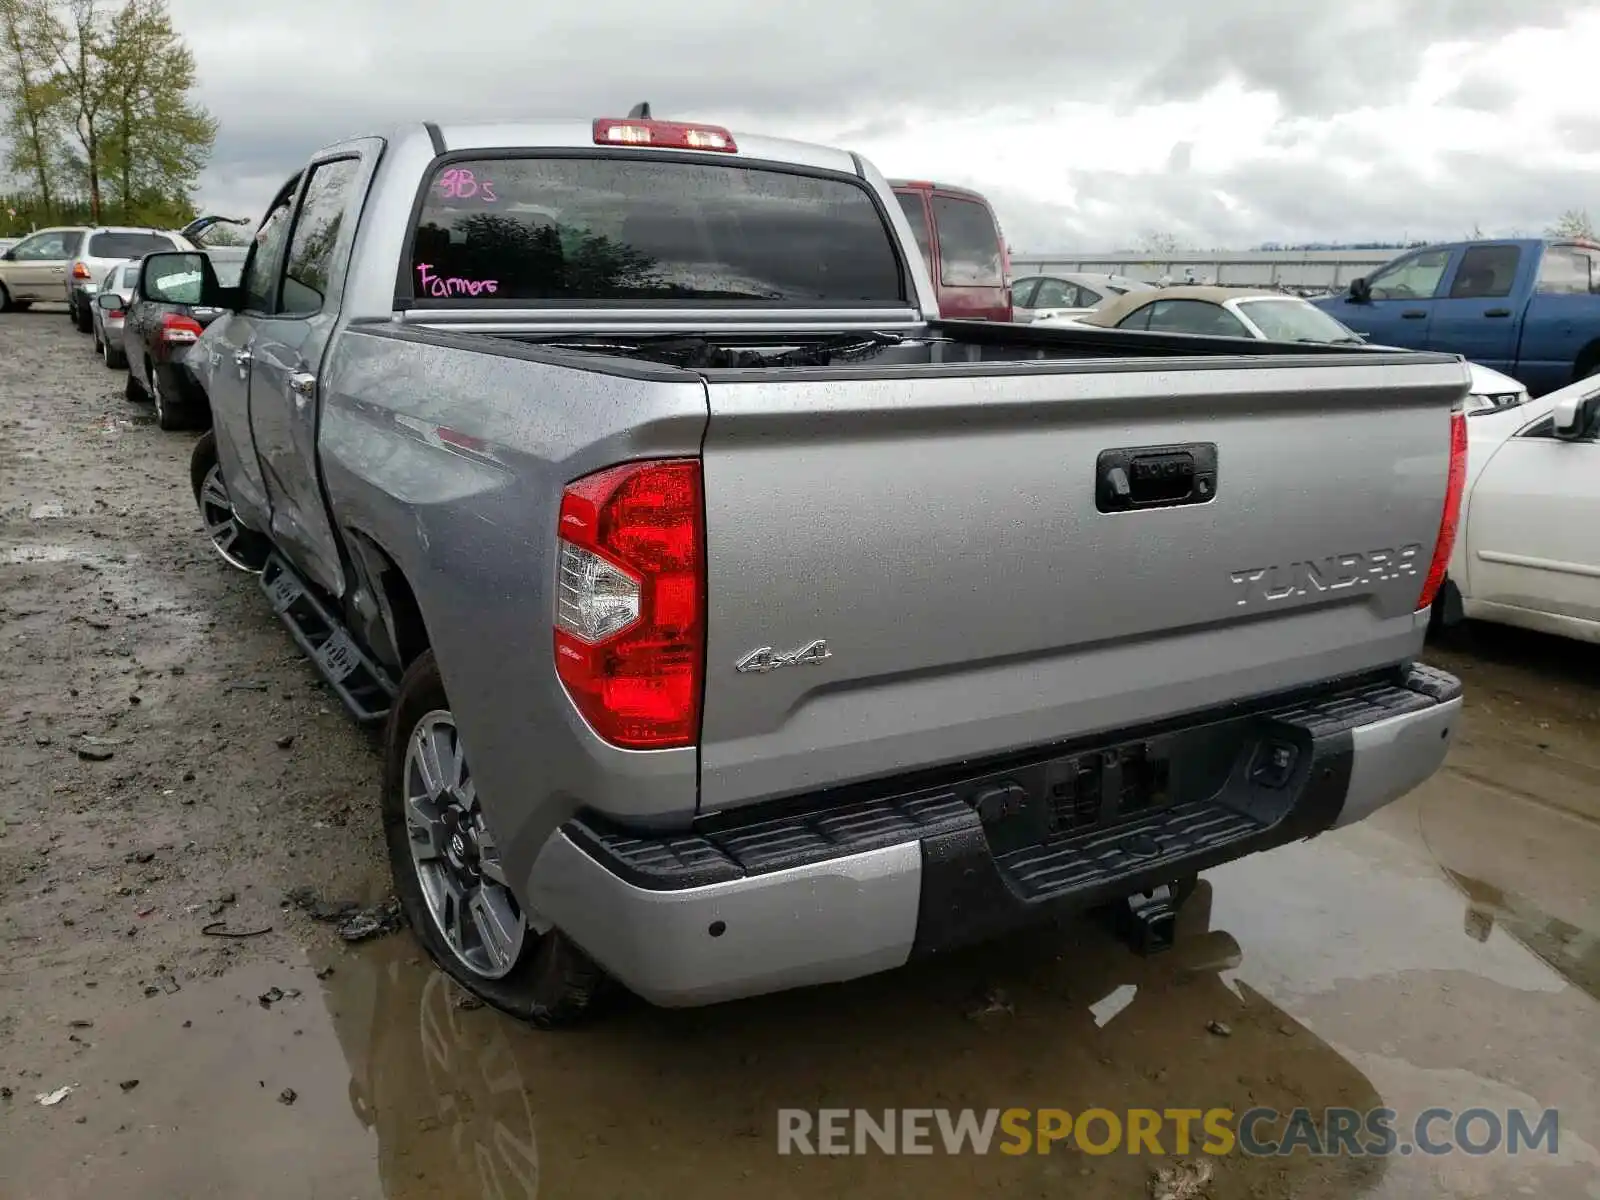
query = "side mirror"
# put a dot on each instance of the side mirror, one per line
(9, 256)
(1574, 416)
(179, 277)
(1360, 291)
(109, 301)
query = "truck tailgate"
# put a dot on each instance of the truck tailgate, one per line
(941, 530)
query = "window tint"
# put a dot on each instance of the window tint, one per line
(1414, 278)
(1485, 271)
(1022, 292)
(44, 246)
(1139, 318)
(316, 233)
(1569, 271)
(127, 245)
(911, 204)
(587, 229)
(969, 244)
(261, 273)
(1195, 316)
(1290, 320)
(1057, 293)
(1088, 297)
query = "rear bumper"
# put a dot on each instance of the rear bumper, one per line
(847, 885)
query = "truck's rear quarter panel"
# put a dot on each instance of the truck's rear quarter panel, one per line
(940, 532)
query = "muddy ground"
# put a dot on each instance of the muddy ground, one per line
(170, 768)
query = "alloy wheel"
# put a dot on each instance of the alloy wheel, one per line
(456, 858)
(216, 510)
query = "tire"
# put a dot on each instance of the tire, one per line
(98, 344)
(170, 414)
(134, 391)
(239, 547)
(548, 980)
(6, 302)
(83, 318)
(114, 359)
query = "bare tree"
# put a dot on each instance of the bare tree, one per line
(1574, 223)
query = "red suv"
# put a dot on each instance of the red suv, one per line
(965, 252)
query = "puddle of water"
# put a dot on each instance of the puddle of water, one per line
(1360, 969)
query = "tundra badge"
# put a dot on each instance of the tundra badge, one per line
(767, 659)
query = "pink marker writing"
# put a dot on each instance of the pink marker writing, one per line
(458, 183)
(435, 285)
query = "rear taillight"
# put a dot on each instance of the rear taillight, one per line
(630, 605)
(180, 330)
(1451, 517)
(663, 135)
(79, 271)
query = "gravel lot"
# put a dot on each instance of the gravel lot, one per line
(169, 765)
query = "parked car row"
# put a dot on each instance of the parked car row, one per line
(149, 331)
(1265, 316)
(67, 263)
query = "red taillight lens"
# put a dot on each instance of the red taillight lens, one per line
(1451, 517)
(664, 135)
(180, 330)
(79, 271)
(630, 602)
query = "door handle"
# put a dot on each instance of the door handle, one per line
(242, 357)
(1414, 314)
(1497, 312)
(303, 384)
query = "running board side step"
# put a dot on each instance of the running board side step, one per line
(364, 686)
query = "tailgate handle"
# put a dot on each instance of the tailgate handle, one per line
(1137, 477)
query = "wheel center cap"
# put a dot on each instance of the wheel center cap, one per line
(461, 844)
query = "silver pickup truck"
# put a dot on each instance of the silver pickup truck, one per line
(738, 624)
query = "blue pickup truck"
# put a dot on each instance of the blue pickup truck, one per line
(1528, 307)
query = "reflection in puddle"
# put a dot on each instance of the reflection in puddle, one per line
(649, 1102)
(1571, 952)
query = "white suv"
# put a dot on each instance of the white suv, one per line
(103, 248)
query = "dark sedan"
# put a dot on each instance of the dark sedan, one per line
(158, 334)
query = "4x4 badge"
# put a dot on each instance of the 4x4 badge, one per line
(767, 659)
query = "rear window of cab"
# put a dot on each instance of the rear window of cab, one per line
(565, 230)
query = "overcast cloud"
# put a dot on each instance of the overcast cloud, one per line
(1224, 123)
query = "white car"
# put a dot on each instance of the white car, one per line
(1527, 548)
(1036, 297)
(1265, 316)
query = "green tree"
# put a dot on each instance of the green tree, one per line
(157, 140)
(28, 90)
(111, 87)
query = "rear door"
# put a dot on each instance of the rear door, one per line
(38, 266)
(1480, 313)
(971, 272)
(1561, 319)
(1533, 526)
(1403, 299)
(286, 354)
(946, 533)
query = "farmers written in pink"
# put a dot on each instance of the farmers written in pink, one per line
(433, 285)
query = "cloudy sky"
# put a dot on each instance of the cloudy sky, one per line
(1089, 125)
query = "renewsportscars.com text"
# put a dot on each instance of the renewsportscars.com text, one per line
(1258, 1132)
